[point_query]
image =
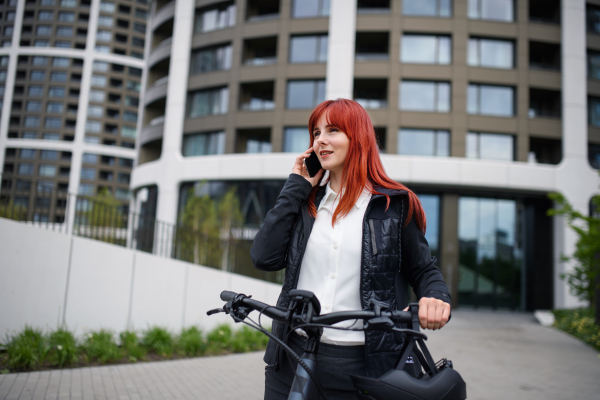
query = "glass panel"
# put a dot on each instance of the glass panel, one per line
(323, 47)
(445, 8)
(303, 49)
(417, 96)
(443, 144)
(444, 50)
(305, 8)
(594, 111)
(594, 65)
(496, 147)
(499, 10)
(472, 145)
(204, 144)
(473, 99)
(443, 97)
(496, 53)
(473, 11)
(300, 94)
(416, 142)
(496, 100)
(419, 49)
(419, 7)
(296, 140)
(431, 206)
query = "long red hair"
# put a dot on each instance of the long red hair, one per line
(362, 164)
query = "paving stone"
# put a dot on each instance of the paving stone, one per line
(499, 354)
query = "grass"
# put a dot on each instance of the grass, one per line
(33, 349)
(580, 323)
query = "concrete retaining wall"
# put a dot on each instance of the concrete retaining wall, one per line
(49, 278)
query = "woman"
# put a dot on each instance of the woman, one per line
(352, 237)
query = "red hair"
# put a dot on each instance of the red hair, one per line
(362, 164)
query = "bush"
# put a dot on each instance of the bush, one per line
(219, 339)
(159, 340)
(101, 346)
(27, 350)
(579, 323)
(248, 339)
(63, 347)
(191, 342)
(130, 346)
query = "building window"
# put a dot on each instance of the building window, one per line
(97, 96)
(93, 126)
(61, 62)
(27, 154)
(425, 49)
(593, 18)
(56, 91)
(491, 100)
(51, 136)
(371, 93)
(208, 102)
(594, 111)
(423, 142)
(98, 80)
(68, 3)
(25, 169)
(128, 132)
(372, 46)
(33, 106)
(495, 10)
(593, 64)
(58, 76)
(35, 90)
(129, 116)
(215, 18)
(86, 189)
(53, 123)
(66, 16)
(49, 155)
(88, 174)
(490, 53)
(100, 66)
(53, 107)
(308, 49)
(105, 21)
(204, 144)
(253, 141)
(424, 96)
(427, 8)
(257, 96)
(64, 31)
(310, 8)
(41, 61)
(305, 94)
(37, 75)
(95, 111)
(45, 16)
(295, 139)
(594, 155)
(490, 146)
(47, 170)
(31, 122)
(89, 158)
(544, 103)
(103, 36)
(211, 59)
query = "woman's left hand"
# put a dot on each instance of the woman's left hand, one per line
(433, 313)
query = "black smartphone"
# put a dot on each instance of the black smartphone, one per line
(313, 165)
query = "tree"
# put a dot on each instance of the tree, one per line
(11, 211)
(199, 232)
(584, 280)
(105, 218)
(230, 216)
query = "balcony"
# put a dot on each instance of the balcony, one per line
(153, 131)
(372, 46)
(157, 91)
(160, 52)
(257, 96)
(261, 10)
(371, 93)
(163, 14)
(262, 51)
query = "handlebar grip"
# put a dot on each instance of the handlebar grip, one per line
(226, 295)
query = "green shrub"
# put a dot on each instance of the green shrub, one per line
(191, 342)
(101, 346)
(219, 339)
(27, 350)
(159, 340)
(130, 346)
(248, 339)
(579, 323)
(63, 347)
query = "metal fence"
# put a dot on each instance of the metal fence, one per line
(102, 217)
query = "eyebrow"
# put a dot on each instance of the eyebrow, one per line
(326, 126)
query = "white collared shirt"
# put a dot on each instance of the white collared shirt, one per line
(331, 265)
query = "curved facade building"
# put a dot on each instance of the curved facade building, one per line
(480, 106)
(71, 73)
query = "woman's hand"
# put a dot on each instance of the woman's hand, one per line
(300, 168)
(433, 313)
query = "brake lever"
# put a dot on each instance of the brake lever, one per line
(214, 311)
(411, 332)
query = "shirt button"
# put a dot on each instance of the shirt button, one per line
(332, 276)
(327, 306)
(335, 245)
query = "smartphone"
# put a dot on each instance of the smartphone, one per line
(313, 165)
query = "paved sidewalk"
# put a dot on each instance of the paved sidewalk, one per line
(500, 356)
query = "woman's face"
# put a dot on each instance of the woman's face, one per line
(331, 145)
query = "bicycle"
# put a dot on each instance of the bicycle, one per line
(438, 381)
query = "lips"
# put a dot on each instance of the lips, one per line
(326, 153)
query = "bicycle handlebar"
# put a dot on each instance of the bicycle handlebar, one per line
(280, 315)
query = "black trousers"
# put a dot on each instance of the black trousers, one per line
(334, 364)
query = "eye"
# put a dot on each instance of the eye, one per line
(316, 134)
(335, 130)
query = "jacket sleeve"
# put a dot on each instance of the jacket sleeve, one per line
(418, 266)
(271, 242)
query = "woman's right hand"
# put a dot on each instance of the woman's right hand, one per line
(300, 168)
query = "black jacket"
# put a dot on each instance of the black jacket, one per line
(393, 256)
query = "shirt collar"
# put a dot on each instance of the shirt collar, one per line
(330, 195)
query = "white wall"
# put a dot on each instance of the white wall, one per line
(49, 278)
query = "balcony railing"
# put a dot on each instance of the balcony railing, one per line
(104, 218)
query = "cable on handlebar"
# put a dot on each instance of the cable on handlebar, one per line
(285, 347)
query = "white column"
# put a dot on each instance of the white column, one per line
(340, 55)
(575, 178)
